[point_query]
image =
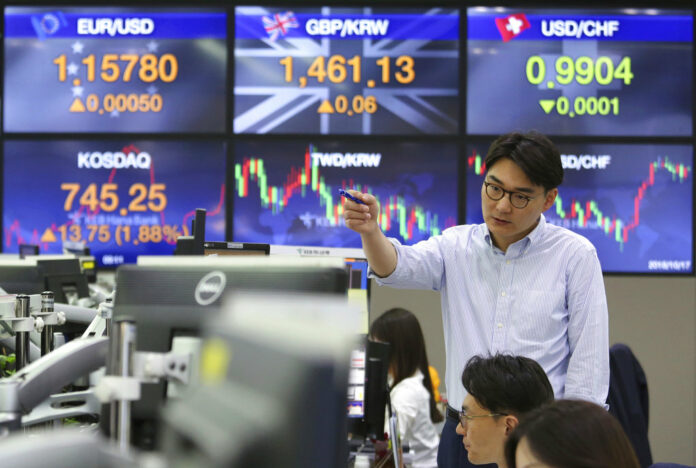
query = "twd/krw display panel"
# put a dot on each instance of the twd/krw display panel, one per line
(286, 192)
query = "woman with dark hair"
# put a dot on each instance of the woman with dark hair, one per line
(570, 434)
(411, 388)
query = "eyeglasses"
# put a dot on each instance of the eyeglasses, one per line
(517, 199)
(465, 418)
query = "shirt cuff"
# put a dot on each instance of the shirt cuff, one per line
(391, 278)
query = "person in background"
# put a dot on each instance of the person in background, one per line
(411, 391)
(570, 434)
(501, 390)
(513, 284)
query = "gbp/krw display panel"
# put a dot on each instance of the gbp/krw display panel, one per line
(114, 70)
(122, 199)
(286, 192)
(633, 202)
(337, 70)
(572, 72)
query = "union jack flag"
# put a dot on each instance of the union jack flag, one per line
(279, 23)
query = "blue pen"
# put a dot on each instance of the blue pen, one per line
(343, 193)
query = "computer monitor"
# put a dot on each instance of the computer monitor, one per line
(368, 389)
(28, 249)
(236, 248)
(34, 274)
(272, 387)
(356, 382)
(88, 263)
(359, 289)
(376, 388)
(173, 296)
(193, 244)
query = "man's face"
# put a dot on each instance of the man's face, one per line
(484, 437)
(507, 223)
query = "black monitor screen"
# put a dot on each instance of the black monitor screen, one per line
(633, 202)
(122, 199)
(28, 249)
(340, 70)
(62, 276)
(580, 72)
(287, 192)
(235, 248)
(114, 70)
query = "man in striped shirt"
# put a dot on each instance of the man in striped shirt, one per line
(514, 284)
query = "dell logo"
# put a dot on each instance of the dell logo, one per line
(210, 287)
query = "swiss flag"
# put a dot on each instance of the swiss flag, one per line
(511, 26)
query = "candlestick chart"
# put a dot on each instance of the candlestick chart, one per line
(633, 202)
(286, 193)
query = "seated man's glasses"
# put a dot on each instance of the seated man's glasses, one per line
(464, 418)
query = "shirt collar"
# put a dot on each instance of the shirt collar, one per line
(531, 238)
(537, 233)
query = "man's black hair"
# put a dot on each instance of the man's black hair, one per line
(534, 153)
(507, 384)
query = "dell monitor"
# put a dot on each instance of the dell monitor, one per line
(168, 297)
(272, 387)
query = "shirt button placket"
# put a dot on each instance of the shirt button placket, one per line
(502, 311)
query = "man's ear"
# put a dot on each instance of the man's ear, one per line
(550, 198)
(511, 423)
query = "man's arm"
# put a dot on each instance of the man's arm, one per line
(588, 331)
(362, 219)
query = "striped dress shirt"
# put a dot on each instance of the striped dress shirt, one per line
(543, 298)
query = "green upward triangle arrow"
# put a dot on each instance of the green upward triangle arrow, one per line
(547, 104)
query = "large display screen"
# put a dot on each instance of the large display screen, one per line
(337, 70)
(633, 202)
(572, 72)
(114, 70)
(286, 192)
(120, 198)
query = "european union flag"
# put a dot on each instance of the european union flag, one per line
(48, 24)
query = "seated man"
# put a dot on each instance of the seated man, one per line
(501, 389)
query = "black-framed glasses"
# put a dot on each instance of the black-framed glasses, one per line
(517, 199)
(465, 418)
